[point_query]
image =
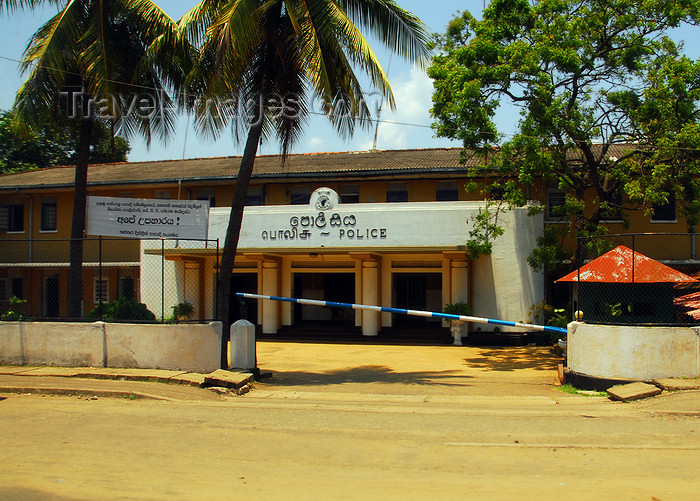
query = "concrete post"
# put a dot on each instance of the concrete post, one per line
(270, 309)
(370, 277)
(242, 348)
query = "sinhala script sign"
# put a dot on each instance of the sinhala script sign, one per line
(145, 219)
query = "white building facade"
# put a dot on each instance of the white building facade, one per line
(408, 255)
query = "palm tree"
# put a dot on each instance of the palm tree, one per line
(87, 64)
(279, 54)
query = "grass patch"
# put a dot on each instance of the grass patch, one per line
(572, 390)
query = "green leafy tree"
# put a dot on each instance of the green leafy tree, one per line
(98, 61)
(46, 147)
(270, 58)
(608, 106)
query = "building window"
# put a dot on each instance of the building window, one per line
(100, 291)
(349, 193)
(161, 194)
(3, 289)
(15, 216)
(254, 195)
(665, 212)
(126, 287)
(48, 213)
(496, 192)
(446, 191)
(614, 211)
(207, 194)
(397, 192)
(300, 195)
(555, 205)
(16, 288)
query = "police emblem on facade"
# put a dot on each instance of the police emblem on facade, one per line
(324, 199)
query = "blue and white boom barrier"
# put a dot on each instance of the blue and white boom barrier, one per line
(417, 313)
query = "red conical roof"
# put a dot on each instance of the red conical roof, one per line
(617, 267)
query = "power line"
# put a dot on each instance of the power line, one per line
(322, 114)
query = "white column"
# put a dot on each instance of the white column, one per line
(270, 308)
(286, 290)
(459, 282)
(370, 277)
(386, 290)
(358, 292)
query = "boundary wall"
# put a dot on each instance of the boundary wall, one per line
(633, 352)
(186, 347)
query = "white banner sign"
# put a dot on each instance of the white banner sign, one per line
(145, 219)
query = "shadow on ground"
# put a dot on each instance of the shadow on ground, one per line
(367, 374)
(508, 359)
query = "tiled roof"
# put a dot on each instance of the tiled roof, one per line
(622, 266)
(359, 164)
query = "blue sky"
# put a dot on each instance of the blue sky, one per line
(407, 127)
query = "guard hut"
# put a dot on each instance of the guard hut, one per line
(625, 287)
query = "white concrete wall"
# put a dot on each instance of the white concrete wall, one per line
(632, 352)
(505, 287)
(187, 347)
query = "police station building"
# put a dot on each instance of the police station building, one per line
(385, 228)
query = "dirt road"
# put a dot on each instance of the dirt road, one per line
(348, 433)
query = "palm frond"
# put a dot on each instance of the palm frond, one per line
(398, 29)
(14, 5)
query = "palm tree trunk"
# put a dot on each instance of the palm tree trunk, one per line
(75, 272)
(223, 294)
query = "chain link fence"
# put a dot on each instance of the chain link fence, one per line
(123, 279)
(638, 279)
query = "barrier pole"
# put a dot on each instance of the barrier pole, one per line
(418, 313)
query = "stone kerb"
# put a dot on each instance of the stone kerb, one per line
(633, 352)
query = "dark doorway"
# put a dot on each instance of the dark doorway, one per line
(336, 287)
(416, 291)
(241, 308)
(51, 297)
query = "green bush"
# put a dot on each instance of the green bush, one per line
(15, 312)
(457, 309)
(122, 309)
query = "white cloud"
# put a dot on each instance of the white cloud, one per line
(407, 126)
(315, 143)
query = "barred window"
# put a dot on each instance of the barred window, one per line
(207, 194)
(48, 214)
(300, 195)
(555, 203)
(254, 196)
(397, 192)
(349, 193)
(101, 290)
(665, 212)
(447, 191)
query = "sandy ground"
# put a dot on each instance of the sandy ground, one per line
(358, 422)
(448, 370)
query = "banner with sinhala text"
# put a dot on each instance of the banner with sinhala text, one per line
(145, 219)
